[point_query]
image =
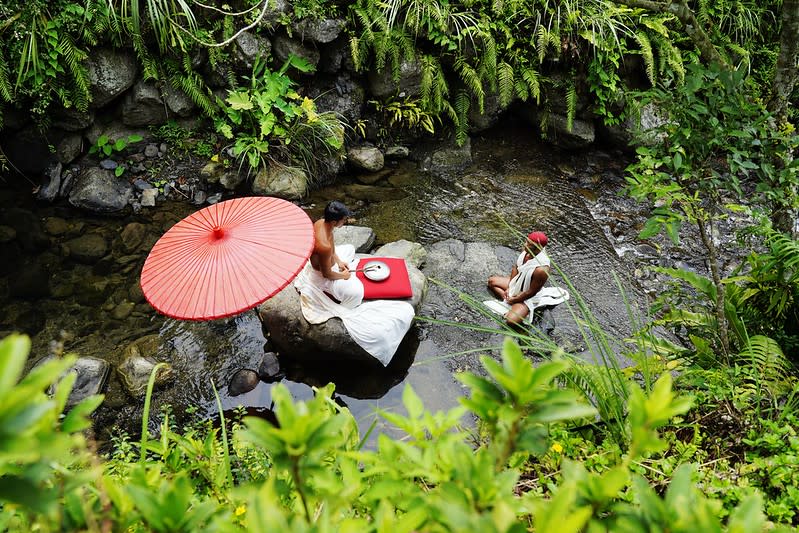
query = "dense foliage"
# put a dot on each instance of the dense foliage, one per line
(310, 472)
(564, 446)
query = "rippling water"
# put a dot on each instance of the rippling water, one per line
(514, 182)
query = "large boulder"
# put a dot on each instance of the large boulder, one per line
(284, 46)
(581, 134)
(111, 72)
(143, 106)
(319, 30)
(138, 362)
(290, 183)
(295, 337)
(98, 190)
(382, 84)
(361, 237)
(248, 48)
(366, 158)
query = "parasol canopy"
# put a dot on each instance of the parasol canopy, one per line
(227, 258)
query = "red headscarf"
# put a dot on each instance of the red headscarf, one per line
(539, 238)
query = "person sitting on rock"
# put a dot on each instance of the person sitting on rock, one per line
(332, 264)
(526, 279)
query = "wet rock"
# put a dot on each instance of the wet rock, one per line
(87, 249)
(51, 183)
(111, 72)
(135, 293)
(108, 164)
(28, 226)
(212, 171)
(150, 151)
(284, 46)
(71, 119)
(361, 237)
(92, 290)
(122, 310)
(148, 197)
(7, 234)
(397, 152)
(61, 288)
(143, 106)
(269, 370)
(382, 84)
(199, 197)
(178, 102)
(99, 190)
(319, 30)
(275, 11)
(371, 178)
(31, 282)
(138, 363)
(366, 158)
(449, 159)
(295, 337)
(133, 235)
(341, 94)
(492, 110)
(373, 193)
(284, 182)
(115, 130)
(413, 252)
(69, 148)
(243, 381)
(248, 47)
(580, 136)
(231, 180)
(55, 226)
(91, 377)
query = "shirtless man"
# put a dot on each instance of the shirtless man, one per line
(331, 264)
(511, 290)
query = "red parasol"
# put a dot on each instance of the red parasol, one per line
(227, 258)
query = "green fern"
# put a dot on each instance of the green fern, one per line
(648, 56)
(472, 81)
(542, 42)
(194, 87)
(74, 58)
(571, 104)
(462, 106)
(505, 76)
(522, 89)
(530, 77)
(5, 83)
(773, 369)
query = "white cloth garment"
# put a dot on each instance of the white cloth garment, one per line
(377, 326)
(547, 296)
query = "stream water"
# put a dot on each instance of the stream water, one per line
(92, 305)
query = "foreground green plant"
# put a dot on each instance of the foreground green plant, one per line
(310, 472)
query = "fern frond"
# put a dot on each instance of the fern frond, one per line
(462, 105)
(5, 83)
(541, 42)
(530, 77)
(74, 58)
(571, 105)
(522, 90)
(764, 354)
(472, 81)
(648, 56)
(505, 76)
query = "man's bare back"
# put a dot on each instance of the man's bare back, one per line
(324, 257)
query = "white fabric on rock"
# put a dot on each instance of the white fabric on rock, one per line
(377, 326)
(547, 296)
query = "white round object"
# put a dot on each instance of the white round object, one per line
(376, 270)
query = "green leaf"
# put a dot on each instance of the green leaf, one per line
(239, 100)
(14, 351)
(77, 418)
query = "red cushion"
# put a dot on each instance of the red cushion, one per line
(396, 285)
